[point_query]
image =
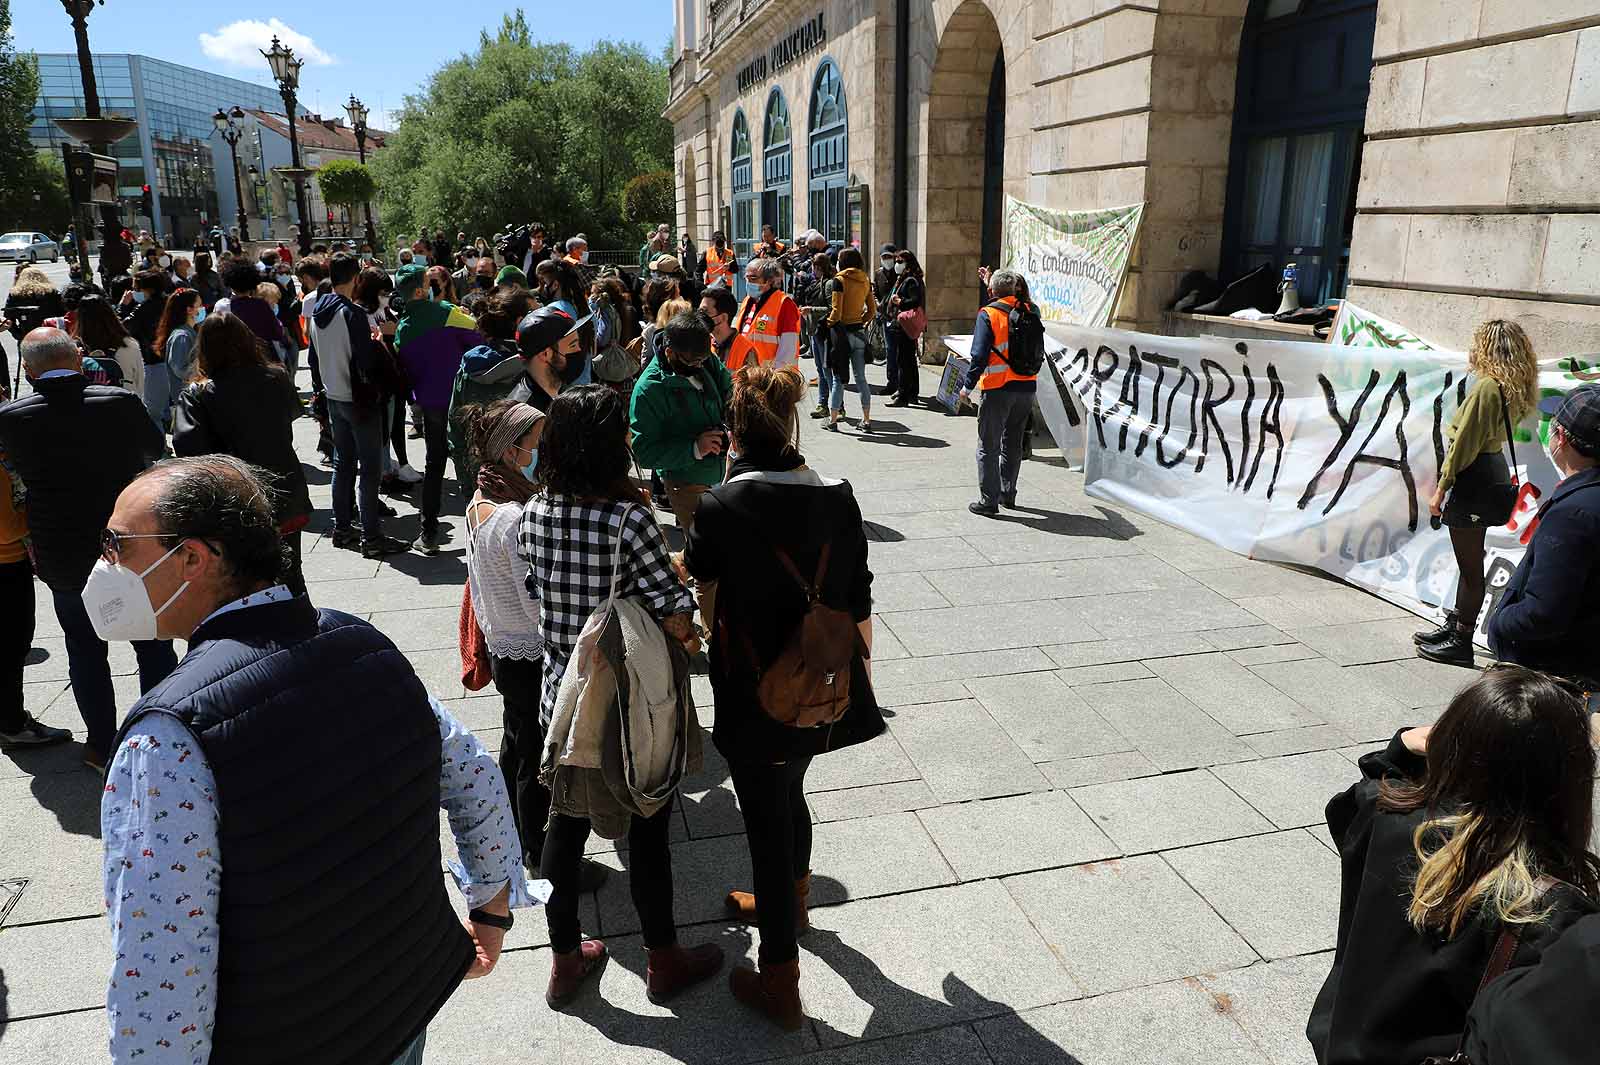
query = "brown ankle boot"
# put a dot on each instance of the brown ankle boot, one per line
(741, 906)
(674, 968)
(568, 971)
(773, 991)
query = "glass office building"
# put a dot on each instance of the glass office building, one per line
(172, 150)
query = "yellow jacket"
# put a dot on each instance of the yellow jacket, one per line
(853, 302)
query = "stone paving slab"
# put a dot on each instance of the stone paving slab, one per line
(928, 959)
(1290, 791)
(1164, 726)
(1235, 698)
(1194, 807)
(1280, 892)
(1017, 834)
(1271, 1003)
(53, 968)
(1340, 696)
(962, 753)
(1171, 1022)
(1127, 922)
(1046, 718)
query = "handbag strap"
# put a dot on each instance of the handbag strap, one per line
(616, 555)
(1511, 443)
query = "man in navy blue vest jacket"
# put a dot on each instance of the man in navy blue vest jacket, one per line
(270, 814)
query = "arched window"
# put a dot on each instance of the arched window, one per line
(1299, 108)
(777, 196)
(744, 198)
(829, 150)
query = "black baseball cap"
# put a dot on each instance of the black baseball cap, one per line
(1577, 412)
(542, 328)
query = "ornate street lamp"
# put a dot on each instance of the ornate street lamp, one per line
(358, 121)
(100, 134)
(286, 72)
(228, 124)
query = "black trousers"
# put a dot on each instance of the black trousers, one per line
(649, 878)
(16, 639)
(293, 577)
(521, 746)
(903, 350)
(778, 826)
(435, 438)
(394, 409)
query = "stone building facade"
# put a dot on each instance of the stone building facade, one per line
(1433, 160)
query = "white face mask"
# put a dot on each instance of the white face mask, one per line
(899, 268)
(165, 261)
(470, 260)
(886, 262)
(119, 606)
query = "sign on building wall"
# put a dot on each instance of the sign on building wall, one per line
(1318, 454)
(803, 39)
(1075, 261)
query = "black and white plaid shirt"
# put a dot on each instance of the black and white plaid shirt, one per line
(568, 546)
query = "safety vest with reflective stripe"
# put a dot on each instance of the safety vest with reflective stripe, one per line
(758, 322)
(718, 267)
(997, 373)
(741, 353)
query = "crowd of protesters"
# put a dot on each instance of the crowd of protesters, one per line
(573, 402)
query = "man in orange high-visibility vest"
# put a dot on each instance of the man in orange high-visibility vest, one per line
(721, 310)
(717, 264)
(769, 319)
(1007, 395)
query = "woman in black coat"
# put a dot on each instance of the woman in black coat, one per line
(1443, 845)
(770, 502)
(244, 406)
(908, 294)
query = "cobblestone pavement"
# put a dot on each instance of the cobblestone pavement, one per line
(1093, 833)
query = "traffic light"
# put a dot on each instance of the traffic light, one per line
(146, 204)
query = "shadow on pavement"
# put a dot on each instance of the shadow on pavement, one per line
(72, 796)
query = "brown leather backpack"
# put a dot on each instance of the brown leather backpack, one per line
(808, 684)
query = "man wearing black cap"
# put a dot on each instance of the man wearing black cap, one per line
(883, 279)
(1550, 612)
(545, 338)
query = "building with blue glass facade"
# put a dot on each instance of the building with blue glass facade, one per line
(175, 149)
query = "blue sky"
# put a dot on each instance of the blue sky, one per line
(380, 52)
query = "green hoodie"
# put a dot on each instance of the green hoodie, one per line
(668, 414)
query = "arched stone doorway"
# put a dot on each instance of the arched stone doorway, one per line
(959, 176)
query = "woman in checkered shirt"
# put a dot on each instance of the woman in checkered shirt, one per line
(569, 534)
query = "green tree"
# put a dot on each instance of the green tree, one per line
(649, 198)
(21, 176)
(523, 130)
(346, 183)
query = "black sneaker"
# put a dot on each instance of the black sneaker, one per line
(1454, 650)
(430, 541)
(33, 734)
(347, 539)
(379, 546)
(987, 510)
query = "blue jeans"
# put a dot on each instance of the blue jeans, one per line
(412, 1055)
(90, 670)
(819, 351)
(357, 445)
(857, 339)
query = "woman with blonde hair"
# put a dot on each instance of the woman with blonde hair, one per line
(780, 541)
(1475, 491)
(1465, 849)
(31, 300)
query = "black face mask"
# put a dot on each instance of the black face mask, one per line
(683, 370)
(484, 282)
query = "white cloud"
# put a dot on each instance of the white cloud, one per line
(240, 43)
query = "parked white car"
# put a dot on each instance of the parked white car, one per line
(28, 247)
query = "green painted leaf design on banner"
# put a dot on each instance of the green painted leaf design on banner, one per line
(1075, 261)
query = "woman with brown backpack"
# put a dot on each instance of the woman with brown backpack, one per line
(790, 657)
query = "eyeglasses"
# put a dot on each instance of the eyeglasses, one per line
(111, 542)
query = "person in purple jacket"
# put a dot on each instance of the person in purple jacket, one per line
(242, 279)
(432, 338)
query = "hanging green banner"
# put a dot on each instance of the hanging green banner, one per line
(1075, 261)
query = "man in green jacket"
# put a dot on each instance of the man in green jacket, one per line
(677, 415)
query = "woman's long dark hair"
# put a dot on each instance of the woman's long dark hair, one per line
(909, 257)
(175, 315)
(1508, 797)
(584, 450)
(97, 325)
(226, 344)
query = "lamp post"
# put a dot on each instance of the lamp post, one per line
(286, 71)
(358, 121)
(99, 133)
(227, 123)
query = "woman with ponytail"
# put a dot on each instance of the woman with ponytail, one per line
(1459, 838)
(772, 513)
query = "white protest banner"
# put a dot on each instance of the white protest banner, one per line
(1075, 261)
(1323, 455)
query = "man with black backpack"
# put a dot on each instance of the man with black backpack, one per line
(1007, 354)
